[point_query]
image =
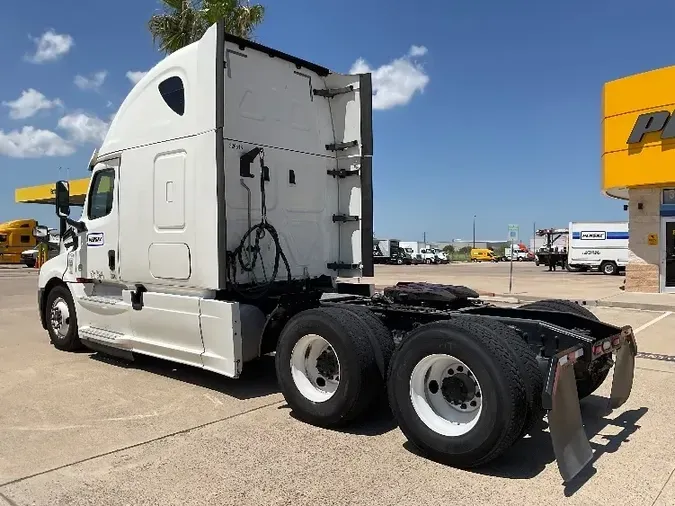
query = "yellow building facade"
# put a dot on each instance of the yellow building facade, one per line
(638, 165)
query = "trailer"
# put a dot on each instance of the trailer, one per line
(601, 246)
(387, 251)
(218, 220)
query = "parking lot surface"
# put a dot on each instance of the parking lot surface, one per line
(82, 429)
(489, 277)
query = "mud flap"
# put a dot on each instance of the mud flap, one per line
(624, 369)
(570, 444)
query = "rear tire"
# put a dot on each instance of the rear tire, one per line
(326, 366)
(587, 381)
(609, 268)
(62, 320)
(385, 341)
(528, 365)
(562, 305)
(439, 363)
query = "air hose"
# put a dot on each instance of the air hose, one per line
(259, 231)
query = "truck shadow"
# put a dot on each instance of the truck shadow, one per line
(258, 378)
(530, 456)
(377, 421)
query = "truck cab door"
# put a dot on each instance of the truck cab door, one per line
(99, 251)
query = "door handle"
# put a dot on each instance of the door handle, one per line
(111, 259)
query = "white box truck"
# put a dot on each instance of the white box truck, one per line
(599, 246)
(230, 193)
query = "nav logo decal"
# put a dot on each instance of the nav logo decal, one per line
(95, 239)
(593, 236)
(659, 121)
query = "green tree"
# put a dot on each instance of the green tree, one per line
(185, 21)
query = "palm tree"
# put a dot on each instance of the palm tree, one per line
(185, 21)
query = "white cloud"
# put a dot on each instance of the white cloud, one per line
(30, 142)
(29, 103)
(395, 83)
(94, 82)
(50, 46)
(417, 51)
(83, 128)
(135, 75)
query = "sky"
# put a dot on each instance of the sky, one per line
(488, 109)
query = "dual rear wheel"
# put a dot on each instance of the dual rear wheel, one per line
(462, 391)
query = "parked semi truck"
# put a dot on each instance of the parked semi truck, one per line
(16, 236)
(49, 238)
(232, 190)
(601, 246)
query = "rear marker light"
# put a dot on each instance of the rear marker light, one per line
(571, 357)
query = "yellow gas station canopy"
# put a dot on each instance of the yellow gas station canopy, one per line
(44, 193)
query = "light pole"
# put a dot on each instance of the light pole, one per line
(474, 231)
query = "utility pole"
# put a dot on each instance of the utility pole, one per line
(425, 240)
(534, 236)
(474, 231)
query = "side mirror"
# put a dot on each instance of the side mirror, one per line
(62, 199)
(41, 232)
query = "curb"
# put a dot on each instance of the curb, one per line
(520, 299)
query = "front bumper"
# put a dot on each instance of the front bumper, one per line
(560, 398)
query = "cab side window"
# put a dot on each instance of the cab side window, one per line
(101, 194)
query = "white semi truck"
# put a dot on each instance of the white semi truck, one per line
(230, 193)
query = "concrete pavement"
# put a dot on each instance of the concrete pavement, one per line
(78, 429)
(529, 283)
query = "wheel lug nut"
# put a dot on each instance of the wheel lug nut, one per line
(463, 406)
(460, 368)
(477, 394)
(451, 372)
(473, 404)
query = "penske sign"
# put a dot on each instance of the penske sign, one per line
(659, 121)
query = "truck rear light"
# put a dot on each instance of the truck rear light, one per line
(616, 340)
(571, 357)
